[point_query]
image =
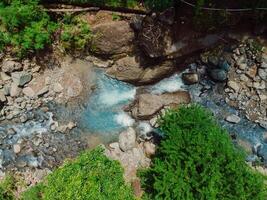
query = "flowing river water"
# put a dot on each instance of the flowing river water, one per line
(102, 115)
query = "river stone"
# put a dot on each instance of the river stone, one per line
(127, 139)
(113, 38)
(129, 69)
(29, 92)
(190, 78)
(4, 76)
(252, 71)
(218, 74)
(57, 88)
(9, 66)
(14, 90)
(233, 119)
(2, 96)
(16, 148)
(42, 91)
(21, 78)
(233, 85)
(263, 74)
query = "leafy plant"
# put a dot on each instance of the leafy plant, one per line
(25, 26)
(76, 34)
(90, 176)
(197, 160)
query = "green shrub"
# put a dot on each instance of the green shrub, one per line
(197, 160)
(25, 26)
(6, 188)
(90, 176)
(76, 34)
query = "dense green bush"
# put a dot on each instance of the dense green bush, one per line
(92, 176)
(197, 160)
(25, 26)
(76, 34)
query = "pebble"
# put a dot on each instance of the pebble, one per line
(16, 148)
(233, 119)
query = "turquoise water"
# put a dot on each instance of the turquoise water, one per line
(103, 113)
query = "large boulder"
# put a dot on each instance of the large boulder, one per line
(147, 105)
(129, 69)
(113, 38)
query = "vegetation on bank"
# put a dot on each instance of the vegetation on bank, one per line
(197, 160)
(31, 29)
(91, 176)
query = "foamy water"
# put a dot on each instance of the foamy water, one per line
(104, 111)
(171, 84)
(124, 119)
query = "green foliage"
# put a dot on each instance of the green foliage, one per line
(90, 176)
(197, 160)
(6, 188)
(76, 34)
(25, 26)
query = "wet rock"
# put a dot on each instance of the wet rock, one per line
(233, 119)
(9, 66)
(29, 92)
(113, 38)
(14, 90)
(21, 78)
(218, 74)
(190, 78)
(233, 85)
(127, 139)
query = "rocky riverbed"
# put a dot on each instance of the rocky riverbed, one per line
(115, 97)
